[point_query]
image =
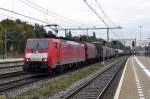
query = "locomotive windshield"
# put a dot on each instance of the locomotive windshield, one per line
(37, 44)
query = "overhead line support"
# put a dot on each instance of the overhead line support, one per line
(78, 29)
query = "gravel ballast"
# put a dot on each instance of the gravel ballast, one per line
(56, 87)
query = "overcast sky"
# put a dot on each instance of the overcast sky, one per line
(129, 14)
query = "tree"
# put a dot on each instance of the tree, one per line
(116, 44)
(39, 31)
(18, 31)
(68, 35)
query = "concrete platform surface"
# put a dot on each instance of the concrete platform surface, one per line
(11, 60)
(135, 81)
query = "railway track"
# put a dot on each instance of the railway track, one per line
(24, 79)
(97, 85)
(12, 74)
(14, 80)
(4, 87)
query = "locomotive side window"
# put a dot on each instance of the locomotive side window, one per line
(37, 44)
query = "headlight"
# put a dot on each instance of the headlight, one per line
(45, 59)
(27, 59)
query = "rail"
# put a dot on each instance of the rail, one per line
(81, 90)
(11, 63)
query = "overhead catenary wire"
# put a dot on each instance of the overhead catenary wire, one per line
(50, 13)
(96, 14)
(45, 12)
(100, 7)
(114, 34)
(1, 14)
(101, 18)
(29, 17)
(12, 6)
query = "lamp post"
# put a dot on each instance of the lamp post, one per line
(140, 31)
(5, 44)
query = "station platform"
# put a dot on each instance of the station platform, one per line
(135, 80)
(11, 60)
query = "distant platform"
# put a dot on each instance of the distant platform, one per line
(135, 81)
(11, 60)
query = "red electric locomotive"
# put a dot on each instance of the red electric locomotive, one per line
(49, 53)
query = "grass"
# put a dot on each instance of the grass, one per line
(1, 97)
(59, 83)
(11, 55)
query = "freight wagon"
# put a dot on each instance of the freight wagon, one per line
(48, 54)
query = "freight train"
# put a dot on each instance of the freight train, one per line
(52, 54)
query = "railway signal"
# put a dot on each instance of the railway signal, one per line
(134, 43)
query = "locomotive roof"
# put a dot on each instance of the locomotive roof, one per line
(56, 39)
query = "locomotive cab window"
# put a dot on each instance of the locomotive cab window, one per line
(37, 44)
